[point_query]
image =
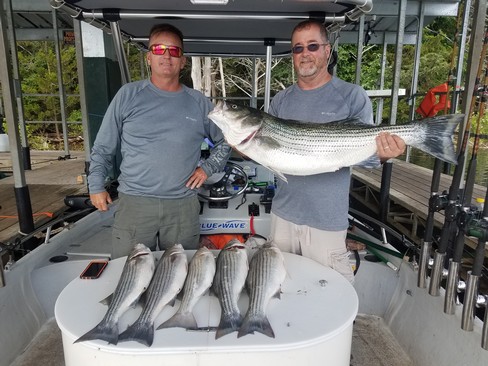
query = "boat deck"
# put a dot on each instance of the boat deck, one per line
(372, 345)
(50, 181)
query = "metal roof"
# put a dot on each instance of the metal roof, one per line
(238, 27)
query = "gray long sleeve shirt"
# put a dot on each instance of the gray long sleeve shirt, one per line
(321, 200)
(160, 135)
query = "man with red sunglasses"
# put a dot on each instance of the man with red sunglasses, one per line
(158, 125)
(310, 213)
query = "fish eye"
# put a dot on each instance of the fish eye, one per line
(233, 106)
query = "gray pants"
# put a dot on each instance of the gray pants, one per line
(154, 221)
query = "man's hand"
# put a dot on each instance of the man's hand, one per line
(100, 200)
(197, 178)
(389, 146)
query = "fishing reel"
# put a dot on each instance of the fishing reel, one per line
(224, 186)
(438, 202)
(478, 228)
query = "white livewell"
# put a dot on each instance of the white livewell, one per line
(312, 323)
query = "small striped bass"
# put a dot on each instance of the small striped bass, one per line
(230, 278)
(166, 283)
(305, 148)
(266, 275)
(134, 280)
(201, 271)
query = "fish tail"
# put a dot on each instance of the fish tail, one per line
(438, 137)
(142, 332)
(228, 323)
(180, 320)
(106, 331)
(255, 323)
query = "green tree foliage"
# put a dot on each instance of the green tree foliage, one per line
(38, 71)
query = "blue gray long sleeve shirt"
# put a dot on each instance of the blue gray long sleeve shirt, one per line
(160, 135)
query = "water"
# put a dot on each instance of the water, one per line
(427, 161)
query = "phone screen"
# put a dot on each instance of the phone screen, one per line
(94, 269)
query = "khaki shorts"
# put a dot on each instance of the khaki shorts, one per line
(325, 247)
(155, 222)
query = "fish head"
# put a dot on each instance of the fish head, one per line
(238, 123)
(138, 250)
(175, 249)
(234, 244)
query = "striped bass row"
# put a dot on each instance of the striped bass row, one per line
(134, 280)
(266, 275)
(160, 285)
(305, 148)
(201, 271)
(230, 278)
(166, 283)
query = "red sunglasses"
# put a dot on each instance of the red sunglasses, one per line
(160, 49)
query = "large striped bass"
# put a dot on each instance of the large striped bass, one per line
(134, 280)
(305, 148)
(201, 271)
(230, 278)
(266, 275)
(166, 283)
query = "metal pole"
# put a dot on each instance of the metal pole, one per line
(269, 43)
(379, 107)
(81, 84)
(61, 91)
(360, 47)
(402, 10)
(416, 67)
(21, 190)
(119, 50)
(17, 87)
(460, 58)
(254, 99)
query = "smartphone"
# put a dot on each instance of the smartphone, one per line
(94, 269)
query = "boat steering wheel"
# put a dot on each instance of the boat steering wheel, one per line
(233, 183)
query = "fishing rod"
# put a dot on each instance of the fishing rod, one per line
(474, 275)
(437, 202)
(466, 213)
(453, 206)
(477, 228)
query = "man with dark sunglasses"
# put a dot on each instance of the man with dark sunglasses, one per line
(310, 213)
(158, 125)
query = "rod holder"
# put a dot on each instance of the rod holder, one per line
(424, 263)
(451, 287)
(436, 274)
(484, 332)
(467, 319)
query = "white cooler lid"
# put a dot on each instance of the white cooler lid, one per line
(317, 303)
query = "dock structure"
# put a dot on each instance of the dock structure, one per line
(51, 179)
(409, 197)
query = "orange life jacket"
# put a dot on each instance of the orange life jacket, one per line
(433, 103)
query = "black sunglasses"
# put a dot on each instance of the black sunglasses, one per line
(312, 47)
